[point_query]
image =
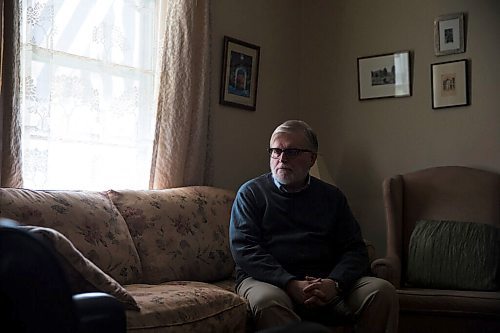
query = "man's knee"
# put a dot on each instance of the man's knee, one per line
(380, 299)
(385, 290)
(269, 304)
(380, 307)
(273, 313)
(368, 290)
(261, 295)
(268, 301)
(384, 285)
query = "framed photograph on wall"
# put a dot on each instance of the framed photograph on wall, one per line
(449, 34)
(449, 84)
(240, 69)
(386, 75)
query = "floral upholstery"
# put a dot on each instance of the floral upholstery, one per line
(83, 275)
(186, 306)
(163, 253)
(88, 219)
(228, 284)
(180, 233)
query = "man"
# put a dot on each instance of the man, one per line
(298, 249)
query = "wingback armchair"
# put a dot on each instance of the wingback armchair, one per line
(448, 193)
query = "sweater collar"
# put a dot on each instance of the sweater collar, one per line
(282, 187)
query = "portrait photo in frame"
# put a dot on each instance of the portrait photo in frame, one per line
(240, 69)
(449, 34)
(386, 75)
(449, 84)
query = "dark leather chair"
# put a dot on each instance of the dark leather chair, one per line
(450, 193)
(299, 327)
(35, 295)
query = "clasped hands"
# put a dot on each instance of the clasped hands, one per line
(312, 291)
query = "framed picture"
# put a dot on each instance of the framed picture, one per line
(240, 69)
(386, 75)
(449, 84)
(449, 34)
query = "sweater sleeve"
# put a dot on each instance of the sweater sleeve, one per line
(246, 242)
(353, 262)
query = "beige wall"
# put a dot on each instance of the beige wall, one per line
(308, 70)
(366, 141)
(240, 137)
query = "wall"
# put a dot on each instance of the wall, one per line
(308, 70)
(241, 138)
(365, 141)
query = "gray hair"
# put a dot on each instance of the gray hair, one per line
(298, 126)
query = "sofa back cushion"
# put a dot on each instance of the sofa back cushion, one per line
(88, 219)
(180, 233)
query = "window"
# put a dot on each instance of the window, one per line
(88, 92)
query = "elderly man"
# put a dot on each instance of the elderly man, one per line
(298, 249)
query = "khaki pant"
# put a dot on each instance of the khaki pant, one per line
(372, 303)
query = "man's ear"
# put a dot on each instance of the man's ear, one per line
(314, 156)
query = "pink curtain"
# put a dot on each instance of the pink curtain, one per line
(10, 126)
(181, 145)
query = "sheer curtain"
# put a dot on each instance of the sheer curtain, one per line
(181, 145)
(180, 154)
(88, 101)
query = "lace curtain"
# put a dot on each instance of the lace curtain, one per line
(87, 98)
(85, 127)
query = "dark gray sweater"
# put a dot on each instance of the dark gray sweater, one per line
(277, 236)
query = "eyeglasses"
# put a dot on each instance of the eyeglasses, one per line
(290, 152)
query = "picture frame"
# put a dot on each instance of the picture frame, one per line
(385, 75)
(450, 84)
(240, 70)
(449, 35)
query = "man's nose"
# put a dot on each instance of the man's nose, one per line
(283, 157)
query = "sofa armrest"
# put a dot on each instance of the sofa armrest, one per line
(388, 268)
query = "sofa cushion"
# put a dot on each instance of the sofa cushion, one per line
(180, 233)
(186, 306)
(83, 275)
(454, 255)
(88, 219)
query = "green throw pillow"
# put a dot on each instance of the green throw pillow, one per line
(454, 255)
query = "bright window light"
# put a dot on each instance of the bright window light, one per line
(88, 93)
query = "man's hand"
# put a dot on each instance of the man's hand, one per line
(295, 289)
(319, 291)
(312, 291)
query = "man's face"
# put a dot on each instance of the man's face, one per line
(291, 171)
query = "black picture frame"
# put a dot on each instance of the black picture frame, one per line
(450, 84)
(385, 75)
(240, 72)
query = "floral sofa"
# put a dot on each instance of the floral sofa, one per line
(163, 253)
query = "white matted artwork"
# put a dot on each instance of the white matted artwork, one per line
(386, 75)
(449, 84)
(449, 34)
